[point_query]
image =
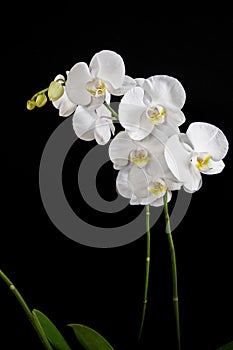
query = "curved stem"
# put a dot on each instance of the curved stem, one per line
(147, 268)
(174, 270)
(114, 113)
(27, 311)
(39, 92)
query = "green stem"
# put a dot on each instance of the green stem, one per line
(174, 270)
(27, 311)
(114, 113)
(39, 92)
(147, 268)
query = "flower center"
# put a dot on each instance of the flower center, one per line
(156, 114)
(202, 163)
(157, 188)
(140, 157)
(96, 87)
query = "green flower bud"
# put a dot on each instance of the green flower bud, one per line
(41, 100)
(55, 91)
(31, 104)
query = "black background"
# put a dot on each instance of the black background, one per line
(103, 288)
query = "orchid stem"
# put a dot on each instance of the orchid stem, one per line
(39, 93)
(174, 269)
(114, 113)
(27, 311)
(147, 268)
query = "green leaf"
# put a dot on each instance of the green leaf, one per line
(51, 331)
(89, 338)
(41, 332)
(228, 346)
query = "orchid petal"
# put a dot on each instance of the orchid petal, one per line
(156, 140)
(160, 201)
(139, 182)
(214, 167)
(140, 81)
(102, 131)
(165, 90)
(208, 138)
(65, 106)
(122, 184)
(76, 82)
(128, 83)
(109, 67)
(179, 162)
(120, 148)
(84, 123)
(132, 114)
(95, 102)
(175, 116)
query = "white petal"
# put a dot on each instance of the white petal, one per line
(179, 162)
(214, 167)
(102, 131)
(122, 183)
(174, 116)
(95, 102)
(65, 106)
(165, 90)
(140, 81)
(120, 148)
(128, 84)
(173, 184)
(131, 111)
(109, 67)
(139, 182)
(160, 201)
(134, 97)
(208, 138)
(84, 123)
(155, 142)
(195, 181)
(102, 111)
(76, 82)
(59, 77)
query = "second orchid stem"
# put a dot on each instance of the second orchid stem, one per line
(174, 269)
(147, 268)
(114, 113)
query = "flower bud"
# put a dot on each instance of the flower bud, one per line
(31, 104)
(41, 100)
(55, 91)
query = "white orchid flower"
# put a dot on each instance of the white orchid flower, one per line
(65, 106)
(200, 150)
(93, 124)
(144, 176)
(153, 102)
(87, 85)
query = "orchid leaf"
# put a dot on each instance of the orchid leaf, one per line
(89, 338)
(52, 333)
(228, 346)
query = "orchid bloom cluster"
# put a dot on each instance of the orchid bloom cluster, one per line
(153, 157)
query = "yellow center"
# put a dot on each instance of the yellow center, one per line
(96, 87)
(156, 115)
(203, 163)
(157, 188)
(139, 157)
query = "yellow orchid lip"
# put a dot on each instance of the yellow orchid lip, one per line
(156, 114)
(202, 163)
(96, 87)
(157, 188)
(139, 157)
